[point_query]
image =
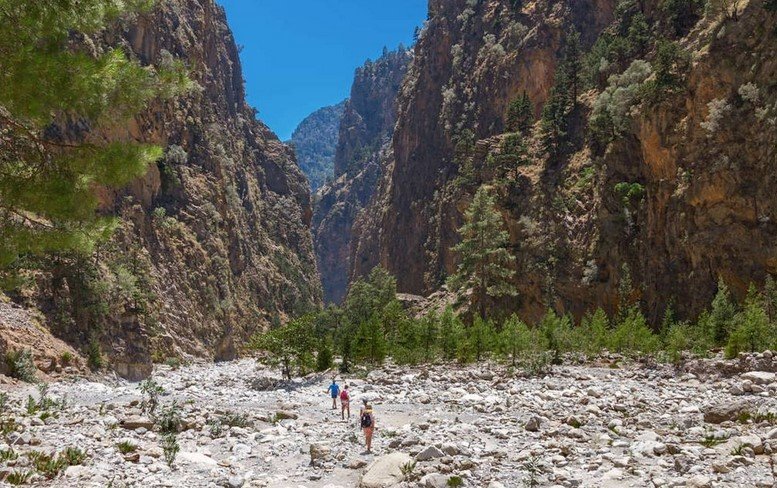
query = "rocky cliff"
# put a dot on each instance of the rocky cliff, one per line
(214, 243)
(674, 197)
(315, 142)
(365, 132)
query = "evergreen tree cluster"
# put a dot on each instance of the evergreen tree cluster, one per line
(370, 327)
(562, 99)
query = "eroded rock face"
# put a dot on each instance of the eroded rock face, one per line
(706, 210)
(362, 152)
(315, 143)
(215, 241)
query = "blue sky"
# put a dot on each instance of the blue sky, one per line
(300, 55)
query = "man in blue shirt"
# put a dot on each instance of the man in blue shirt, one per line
(334, 390)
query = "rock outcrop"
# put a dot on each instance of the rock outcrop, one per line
(698, 158)
(362, 151)
(214, 243)
(315, 142)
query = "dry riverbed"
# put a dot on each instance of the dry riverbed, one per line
(586, 426)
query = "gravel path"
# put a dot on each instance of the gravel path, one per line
(581, 426)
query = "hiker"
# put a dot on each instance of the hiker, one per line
(367, 423)
(334, 390)
(345, 402)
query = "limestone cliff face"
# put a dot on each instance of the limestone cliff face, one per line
(472, 59)
(315, 142)
(215, 241)
(704, 209)
(365, 132)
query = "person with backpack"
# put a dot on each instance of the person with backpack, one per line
(334, 390)
(345, 402)
(368, 423)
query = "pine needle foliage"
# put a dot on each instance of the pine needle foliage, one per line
(54, 98)
(486, 263)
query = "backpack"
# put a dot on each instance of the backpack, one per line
(367, 419)
(344, 395)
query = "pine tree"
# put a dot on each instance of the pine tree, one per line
(752, 331)
(514, 339)
(520, 115)
(48, 181)
(370, 342)
(485, 266)
(429, 336)
(554, 123)
(770, 298)
(573, 64)
(721, 316)
(479, 339)
(450, 333)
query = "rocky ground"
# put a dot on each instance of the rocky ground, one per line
(591, 426)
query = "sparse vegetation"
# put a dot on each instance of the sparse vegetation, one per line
(151, 392)
(19, 365)
(126, 447)
(169, 419)
(170, 448)
(18, 477)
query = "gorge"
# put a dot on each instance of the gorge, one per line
(615, 329)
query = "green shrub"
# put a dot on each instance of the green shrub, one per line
(753, 332)
(94, 355)
(151, 391)
(66, 358)
(18, 477)
(19, 365)
(169, 420)
(8, 455)
(611, 115)
(451, 331)
(557, 333)
(515, 339)
(126, 447)
(478, 340)
(72, 456)
(632, 335)
(170, 448)
(324, 357)
(592, 335)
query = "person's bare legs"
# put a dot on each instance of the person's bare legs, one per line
(345, 406)
(368, 438)
(334, 403)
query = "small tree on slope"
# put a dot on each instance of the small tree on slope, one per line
(485, 266)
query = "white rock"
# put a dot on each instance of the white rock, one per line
(385, 471)
(759, 377)
(196, 458)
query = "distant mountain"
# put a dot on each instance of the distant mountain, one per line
(365, 136)
(315, 142)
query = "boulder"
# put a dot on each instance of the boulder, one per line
(386, 471)
(759, 377)
(319, 452)
(137, 422)
(431, 452)
(435, 480)
(533, 424)
(729, 411)
(699, 481)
